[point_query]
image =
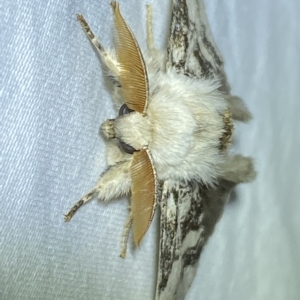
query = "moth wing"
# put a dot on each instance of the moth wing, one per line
(192, 51)
(189, 210)
(191, 47)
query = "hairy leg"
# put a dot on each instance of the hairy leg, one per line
(114, 183)
(125, 234)
(108, 59)
(158, 56)
(150, 38)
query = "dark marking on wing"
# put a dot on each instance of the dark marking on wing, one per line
(192, 219)
(178, 35)
(191, 47)
(206, 208)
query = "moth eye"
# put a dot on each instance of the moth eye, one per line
(124, 109)
(126, 148)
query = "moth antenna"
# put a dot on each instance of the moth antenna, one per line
(143, 193)
(133, 74)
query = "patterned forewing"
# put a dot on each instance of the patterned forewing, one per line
(189, 212)
(191, 47)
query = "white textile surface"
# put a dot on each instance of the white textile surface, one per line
(53, 100)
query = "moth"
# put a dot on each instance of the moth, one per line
(169, 144)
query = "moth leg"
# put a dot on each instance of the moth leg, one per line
(107, 58)
(113, 183)
(125, 235)
(158, 55)
(238, 109)
(238, 169)
(150, 38)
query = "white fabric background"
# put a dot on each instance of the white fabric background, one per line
(52, 102)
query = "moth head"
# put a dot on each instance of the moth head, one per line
(132, 130)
